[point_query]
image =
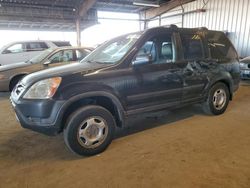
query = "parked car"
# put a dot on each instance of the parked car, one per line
(11, 74)
(163, 67)
(25, 50)
(245, 68)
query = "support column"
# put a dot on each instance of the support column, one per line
(78, 31)
(182, 16)
(143, 22)
(140, 20)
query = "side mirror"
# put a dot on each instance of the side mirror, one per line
(6, 52)
(141, 60)
(46, 63)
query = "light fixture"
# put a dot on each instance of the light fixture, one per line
(146, 4)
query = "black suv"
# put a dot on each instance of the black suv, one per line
(163, 67)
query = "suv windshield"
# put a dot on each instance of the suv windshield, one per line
(113, 51)
(41, 56)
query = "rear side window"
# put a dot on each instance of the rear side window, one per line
(192, 46)
(61, 43)
(220, 47)
(36, 46)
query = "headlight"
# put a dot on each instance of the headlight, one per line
(43, 89)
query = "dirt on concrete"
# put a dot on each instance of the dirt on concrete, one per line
(182, 148)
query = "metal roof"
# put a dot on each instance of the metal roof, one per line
(59, 15)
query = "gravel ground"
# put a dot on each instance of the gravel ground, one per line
(182, 148)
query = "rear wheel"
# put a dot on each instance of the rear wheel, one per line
(89, 130)
(218, 99)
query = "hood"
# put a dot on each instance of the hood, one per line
(13, 66)
(61, 71)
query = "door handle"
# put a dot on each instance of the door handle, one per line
(188, 72)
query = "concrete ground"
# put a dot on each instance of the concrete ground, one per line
(183, 148)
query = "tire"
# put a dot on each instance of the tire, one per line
(218, 99)
(89, 130)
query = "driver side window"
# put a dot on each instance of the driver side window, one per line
(57, 57)
(15, 48)
(63, 56)
(158, 50)
(148, 49)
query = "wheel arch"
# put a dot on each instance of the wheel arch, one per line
(228, 83)
(19, 75)
(101, 98)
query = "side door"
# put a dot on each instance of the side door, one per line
(195, 75)
(157, 74)
(34, 48)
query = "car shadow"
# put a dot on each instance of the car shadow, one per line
(26, 146)
(151, 120)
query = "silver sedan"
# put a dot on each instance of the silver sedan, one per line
(245, 68)
(11, 74)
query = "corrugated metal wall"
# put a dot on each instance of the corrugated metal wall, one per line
(168, 18)
(231, 16)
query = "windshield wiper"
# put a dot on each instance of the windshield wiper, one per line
(89, 61)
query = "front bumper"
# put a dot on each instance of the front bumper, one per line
(39, 115)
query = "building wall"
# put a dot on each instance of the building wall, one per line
(168, 18)
(230, 16)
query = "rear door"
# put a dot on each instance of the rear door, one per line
(195, 75)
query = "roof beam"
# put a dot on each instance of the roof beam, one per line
(154, 12)
(85, 6)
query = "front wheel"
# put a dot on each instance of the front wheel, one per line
(218, 99)
(89, 130)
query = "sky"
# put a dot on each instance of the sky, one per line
(92, 36)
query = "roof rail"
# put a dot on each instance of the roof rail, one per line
(174, 27)
(203, 28)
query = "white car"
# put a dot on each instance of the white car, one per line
(22, 51)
